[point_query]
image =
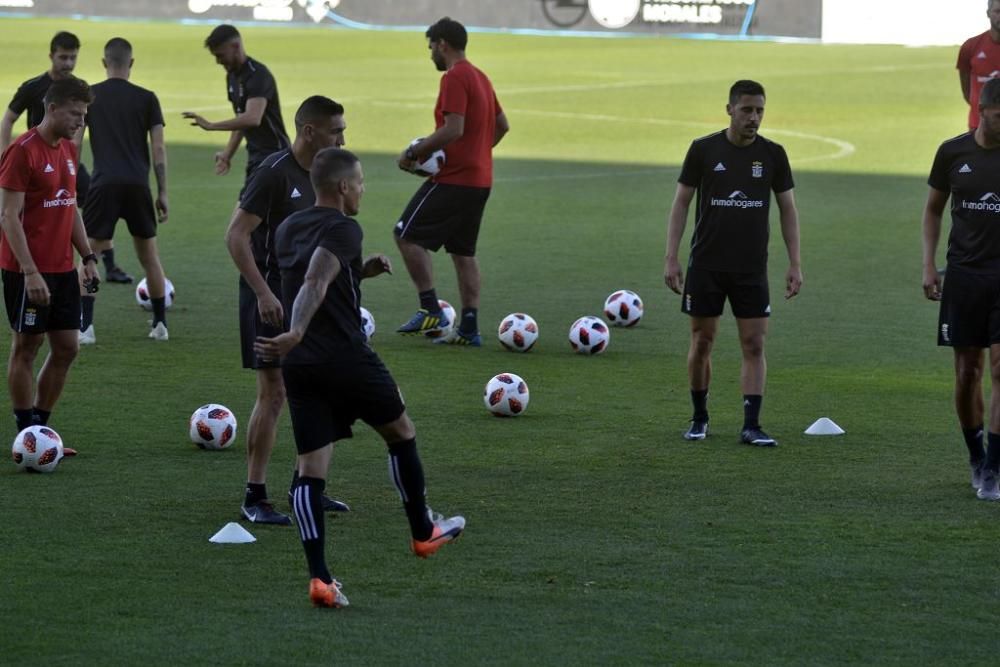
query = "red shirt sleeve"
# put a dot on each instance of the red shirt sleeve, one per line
(454, 95)
(965, 55)
(15, 169)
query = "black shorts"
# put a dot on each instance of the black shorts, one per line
(705, 293)
(252, 326)
(446, 215)
(324, 400)
(970, 309)
(107, 204)
(63, 311)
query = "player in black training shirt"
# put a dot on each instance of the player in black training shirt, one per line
(332, 377)
(120, 119)
(965, 169)
(733, 173)
(278, 188)
(253, 93)
(64, 49)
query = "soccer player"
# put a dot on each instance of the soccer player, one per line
(120, 119)
(277, 189)
(333, 378)
(253, 93)
(41, 226)
(965, 170)
(64, 49)
(447, 210)
(733, 172)
(979, 61)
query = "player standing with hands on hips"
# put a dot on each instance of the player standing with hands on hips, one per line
(733, 173)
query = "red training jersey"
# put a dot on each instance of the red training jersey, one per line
(47, 177)
(466, 91)
(980, 57)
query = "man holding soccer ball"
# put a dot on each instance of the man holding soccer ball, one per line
(733, 172)
(448, 208)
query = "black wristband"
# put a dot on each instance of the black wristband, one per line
(92, 257)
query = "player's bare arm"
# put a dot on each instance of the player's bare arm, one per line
(323, 270)
(502, 128)
(453, 128)
(11, 204)
(251, 117)
(789, 216)
(376, 265)
(7, 128)
(933, 211)
(964, 80)
(673, 275)
(160, 171)
(238, 243)
(223, 158)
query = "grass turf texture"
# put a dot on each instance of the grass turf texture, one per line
(596, 535)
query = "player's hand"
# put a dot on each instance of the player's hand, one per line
(162, 207)
(38, 291)
(932, 283)
(272, 349)
(376, 265)
(406, 164)
(270, 310)
(197, 120)
(793, 281)
(673, 276)
(91, 281)
(221, 164)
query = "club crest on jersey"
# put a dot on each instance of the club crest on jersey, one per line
(757, 169)
(71, 167)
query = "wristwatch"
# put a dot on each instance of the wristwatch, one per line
(92, 257)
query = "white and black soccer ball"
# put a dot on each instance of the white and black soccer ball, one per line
(142, 294)
(367, 323)
(213, 426)
(623, 308)
(449, 312)
(589, 335)
(518, 332)
(506, 395)
(432, 164)
(38, 449)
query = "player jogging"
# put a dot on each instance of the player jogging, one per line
(41, 226)
(979, 61)
(280, 187)
(733, 173)
(332, 377)
(448, 208)
(965, 170)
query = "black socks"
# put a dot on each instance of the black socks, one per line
(408, 475)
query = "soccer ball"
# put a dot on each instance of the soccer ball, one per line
(142, 294)
(37, 448)
(518, 332)
(449, 312)
(213, 426)
(589, 335)
(623, 308)
(506, 395)
(367, 323)
(432, 164)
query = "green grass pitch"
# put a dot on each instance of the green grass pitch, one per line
(596, 535)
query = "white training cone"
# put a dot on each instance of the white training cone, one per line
(824, 426)
(232, 533)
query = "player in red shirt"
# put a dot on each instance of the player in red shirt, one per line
(448, 208)
(979, 61)
(41, 226)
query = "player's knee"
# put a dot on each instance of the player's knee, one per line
(701, 343)
(25, 348)
(753, 346)
(400, 429)
(63, 353)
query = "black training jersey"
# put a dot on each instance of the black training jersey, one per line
(733, 201)
(969, 173)
(255, 80)
(119, 121)
(335, 329)
(277, 188)
(29, 97)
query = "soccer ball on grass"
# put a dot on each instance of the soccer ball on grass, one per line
(623, 308)
(518, 332)
(213, 426)
(506, 395)
(142, 294)
(589, 335)
(37, 449)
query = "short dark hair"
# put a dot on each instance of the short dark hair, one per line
(66, 41)
(68, 90)
(449, 30)
(745, 87)
(989, 96)
(220, 35)
(330, 166)
(316, 108)
(118, 51)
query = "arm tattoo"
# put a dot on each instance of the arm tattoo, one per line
(323, 269)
